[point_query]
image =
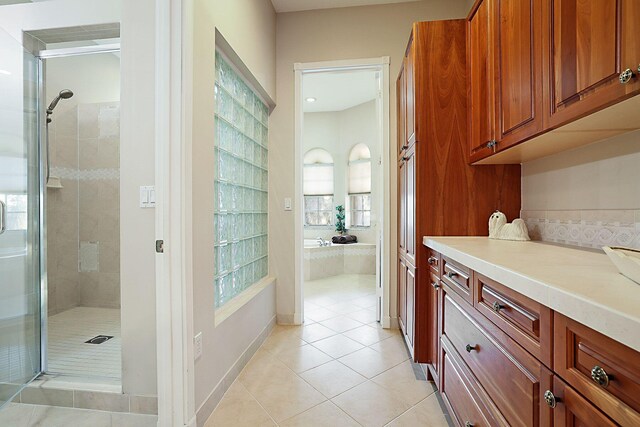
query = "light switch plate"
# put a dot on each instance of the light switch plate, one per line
(287, 204)
(197, 345)
(148, 196)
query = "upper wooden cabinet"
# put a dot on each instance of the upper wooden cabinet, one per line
(537, 65)
(592, 43)
(505, 69)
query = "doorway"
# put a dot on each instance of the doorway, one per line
(342, 189)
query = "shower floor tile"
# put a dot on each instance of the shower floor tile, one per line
(70, 355)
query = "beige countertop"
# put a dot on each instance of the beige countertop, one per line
(581, 284)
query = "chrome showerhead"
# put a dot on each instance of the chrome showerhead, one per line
(64, 94)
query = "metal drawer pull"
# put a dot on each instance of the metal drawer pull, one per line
(497, 306)
(600, 376)
(405, 158)
(432, 261)
(404, 147)
(551, 400)
(471, 348)
(626, 76)
(435, 285)
(468, 424)
(3, 217)
(451, 274)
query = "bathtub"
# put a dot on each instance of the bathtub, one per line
(333, 260)
(313, 243)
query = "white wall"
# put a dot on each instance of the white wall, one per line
(249, 27)
(338, 132)
(325, 35)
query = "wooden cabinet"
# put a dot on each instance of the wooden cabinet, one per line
(591, 44)
(437, 188)
(505, 359)
(534, 66)
(505, 69)
(434, 324)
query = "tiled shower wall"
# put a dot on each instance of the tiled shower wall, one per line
(84, 216)
(587, 197)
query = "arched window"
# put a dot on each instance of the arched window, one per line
(360, 186)
(318, 188)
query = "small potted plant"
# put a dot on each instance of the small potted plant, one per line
(340, 225)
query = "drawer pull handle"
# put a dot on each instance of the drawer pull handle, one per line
(626, 76)
(471, 348)
(432, 260)
(600, 376)
(551, 399)
(468, 424)
(404, 147)
(435, 285)
(452, 274)
(497, 306)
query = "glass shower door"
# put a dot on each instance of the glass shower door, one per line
(20, 191)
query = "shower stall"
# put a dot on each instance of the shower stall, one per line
(59, 212)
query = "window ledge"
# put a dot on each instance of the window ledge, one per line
(224, 312)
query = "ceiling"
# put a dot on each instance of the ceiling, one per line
(298, 5)
(337, 91)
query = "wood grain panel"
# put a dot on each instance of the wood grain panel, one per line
(401, 109)
(579, 349)
(574, 410)
(410, 93)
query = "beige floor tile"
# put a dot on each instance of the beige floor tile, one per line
(367, 315)
(344, 307)
(319, 314)
(401, 381)
(394, 348)
(367, 301)
(262, 369)
(239, 408)
(300, 359)
(341, 324)
(52, 416)
(324, 415)
(337, 346)
(370, 404)
(323, 301)
(368, 335)
(289, 330)
(285, 397)
(316, 332)
(282, 341)
(16, 414)
(332, 378)
(426, 413)
(369, 362)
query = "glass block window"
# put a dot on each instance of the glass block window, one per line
(241, 197)
(318, 210)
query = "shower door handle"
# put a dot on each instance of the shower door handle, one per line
(3, 217)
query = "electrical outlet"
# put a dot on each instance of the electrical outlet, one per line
(197, 344)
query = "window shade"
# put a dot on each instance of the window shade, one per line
(360, 177)
(318, 179)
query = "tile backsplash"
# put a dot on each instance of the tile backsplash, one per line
(585, 228)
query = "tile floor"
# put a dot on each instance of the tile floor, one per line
(339, 369)
(22, 415)
(70, 355)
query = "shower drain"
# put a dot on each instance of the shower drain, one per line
(99, 339)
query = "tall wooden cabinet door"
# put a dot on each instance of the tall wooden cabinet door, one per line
(592, 43)
(433, 318)
(401, 111)
(402, 295)
(411, 307)
(410, 195)
(410, 98)
(481, 105)
(573, 410)
(402, 207)
(518, 42)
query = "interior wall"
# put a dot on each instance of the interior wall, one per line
(249, 27)
(338, 132)
(326, 35)
(589, 196)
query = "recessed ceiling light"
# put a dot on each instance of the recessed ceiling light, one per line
(5, 72)
(310, 99)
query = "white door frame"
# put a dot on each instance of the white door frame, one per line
(381, 63)
(174, 284)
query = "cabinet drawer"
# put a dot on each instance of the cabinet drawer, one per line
(434, 261)
(523, 319)
(458, 277)
(511, 378)
(466, 401)
(604, 371)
